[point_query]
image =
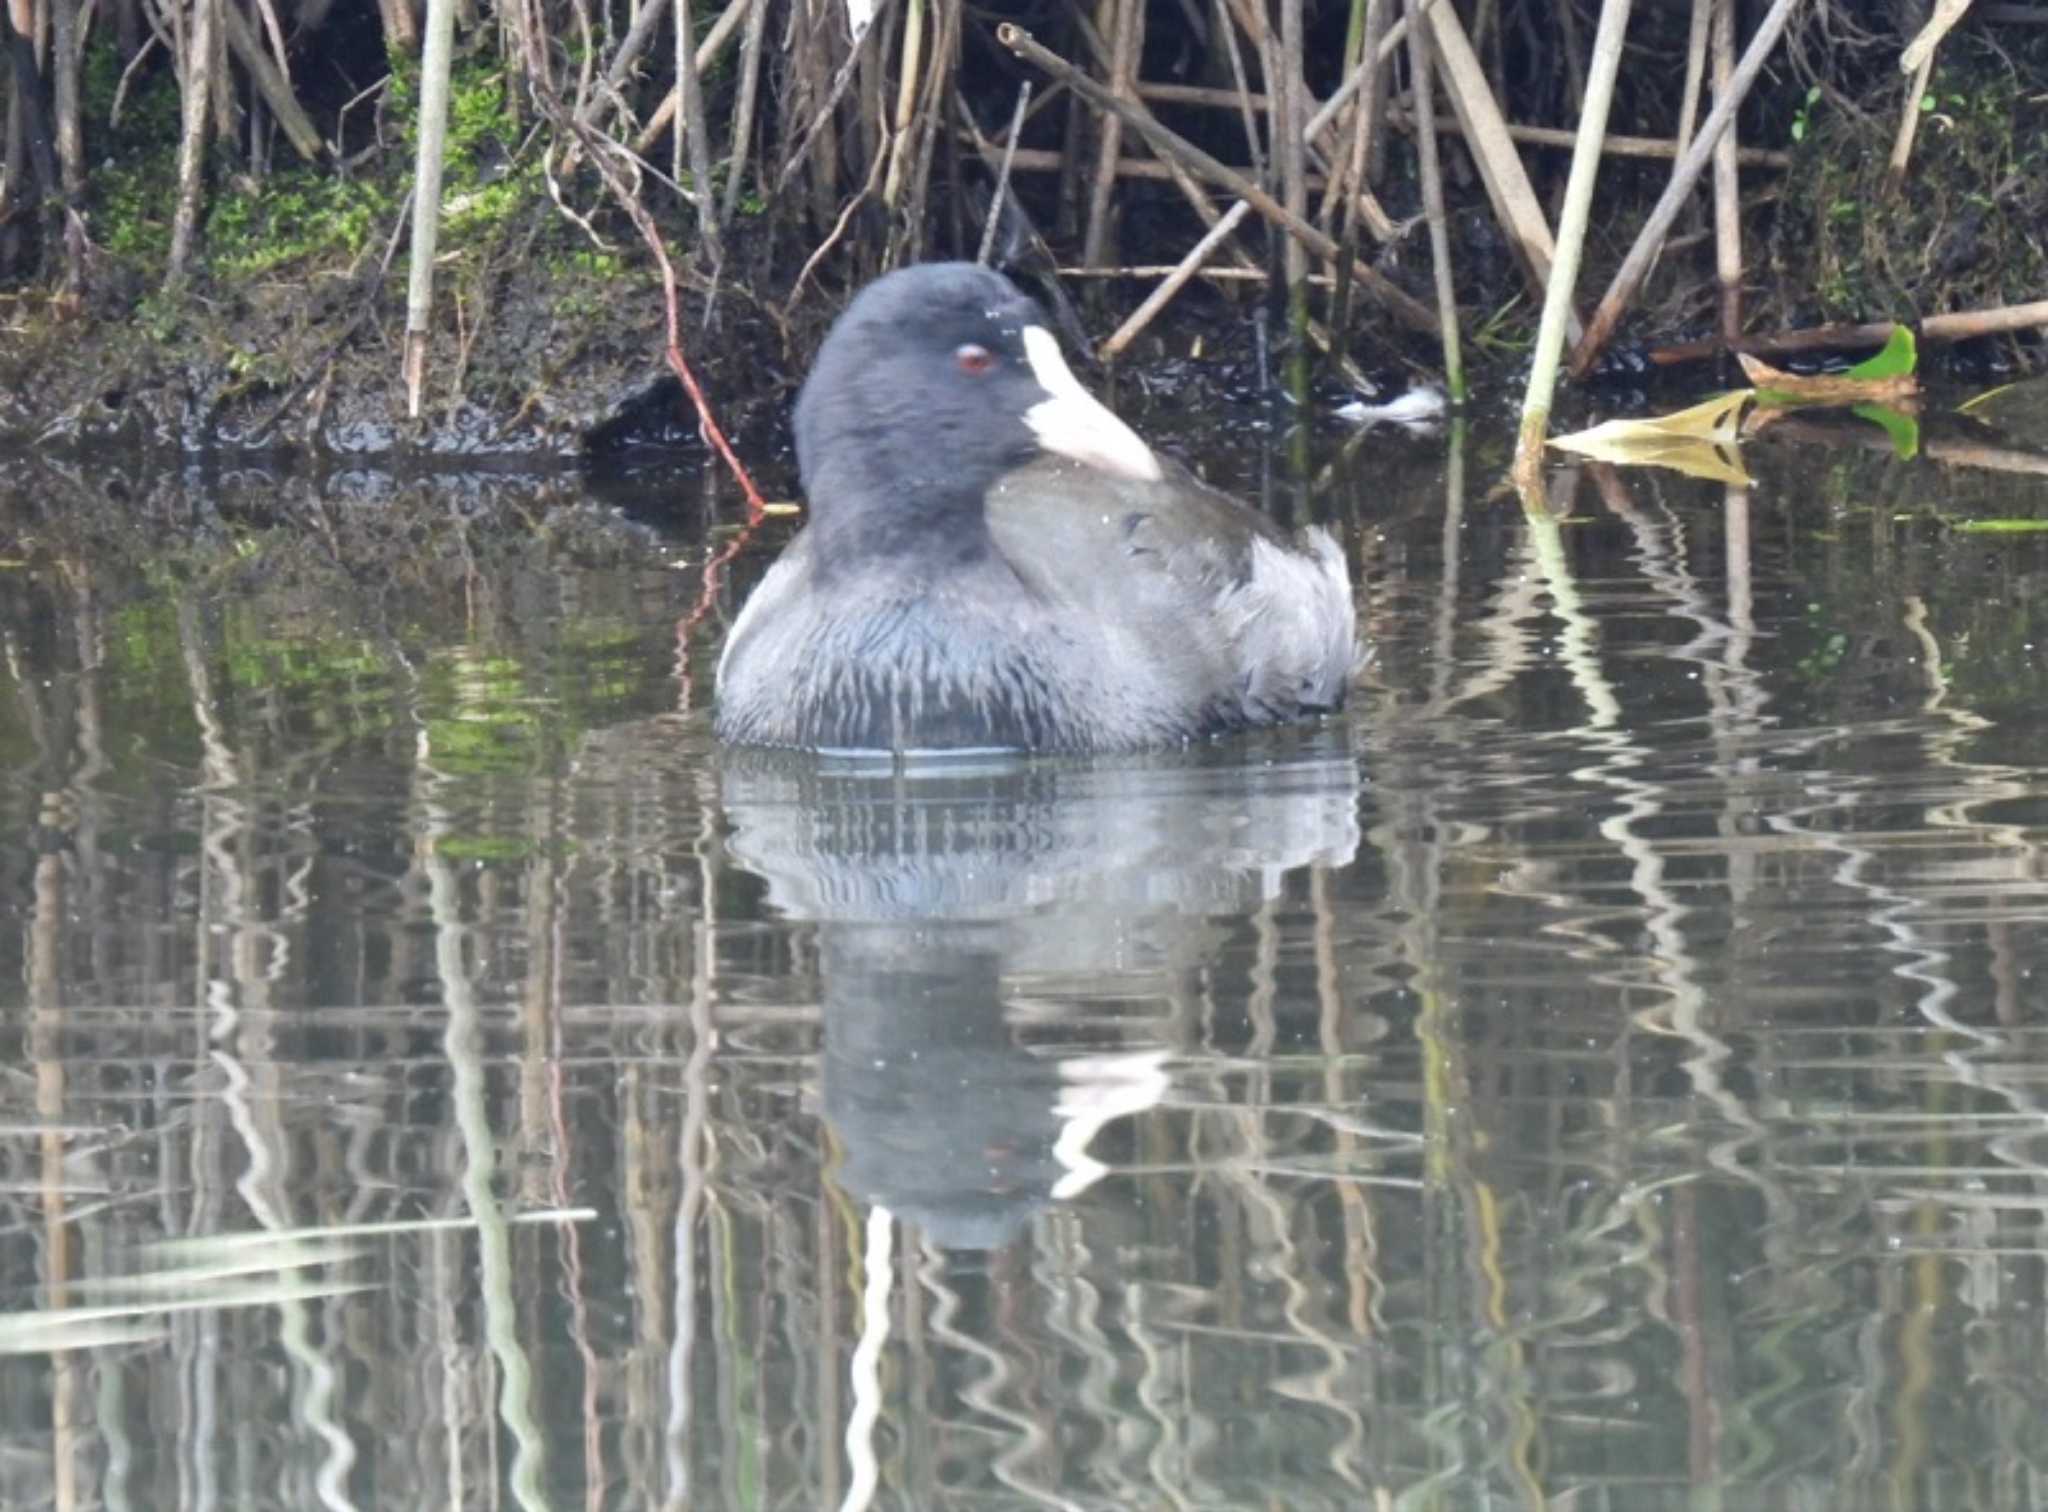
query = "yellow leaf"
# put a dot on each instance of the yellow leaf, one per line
(1700, 441)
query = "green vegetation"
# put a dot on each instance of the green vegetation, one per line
(1960, 234)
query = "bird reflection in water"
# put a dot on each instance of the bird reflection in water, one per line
(956, 903)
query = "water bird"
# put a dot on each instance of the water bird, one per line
(995, 561)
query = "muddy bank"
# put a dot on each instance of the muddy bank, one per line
(553, 368)
(548, 367)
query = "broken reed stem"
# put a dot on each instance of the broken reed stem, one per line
(1199, 164)
(1909, 126)
(995, 205)
(1420, 69)
(1628, 278)
(1571, 241)
(1162, 296)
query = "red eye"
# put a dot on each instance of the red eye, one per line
(974, 359)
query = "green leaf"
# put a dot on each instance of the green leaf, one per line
(2000, 527)
(1898, 359)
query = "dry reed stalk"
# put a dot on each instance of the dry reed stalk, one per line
(1960, 325)
(1175, 280)
(586, 51)
(63, 66)
(1353, 176)
(435, 64)
(272, 84)
(821, 123)
(1125, 21)
(743, 110)
(222, 94)
(909, 72)
(401, 29)
(942, 62)
(1727, 184)
(1207, 94)
(1500, 167)
(695, 136)
(1628, 278)
(1201, 165)
(1571, 241)
(1241, 274)
(1370, 13)
(197, 81)
(1293, 165)
(814, 70)
(1614, 146)
(1695, 73)
(1909, 125)
(1420, 70)
(995, 204)
(708, 52)
(1242, 99)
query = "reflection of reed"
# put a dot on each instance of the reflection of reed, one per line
(1423, 1204)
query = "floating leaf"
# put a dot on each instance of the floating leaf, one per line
(1700, 441)
(1717, 421)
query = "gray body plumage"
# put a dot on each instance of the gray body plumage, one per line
(1104, 614)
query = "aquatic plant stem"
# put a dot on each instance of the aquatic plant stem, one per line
(1571, 240)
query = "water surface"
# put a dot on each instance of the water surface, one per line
(1603, 1069)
